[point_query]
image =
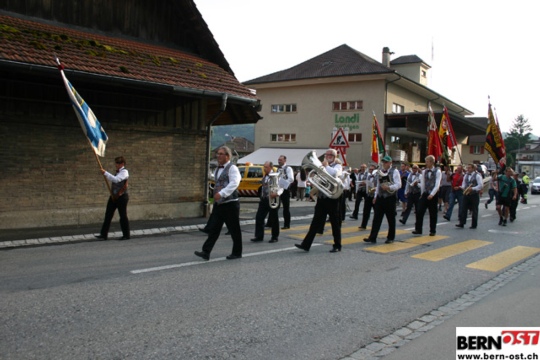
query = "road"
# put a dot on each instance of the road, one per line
(151, 298)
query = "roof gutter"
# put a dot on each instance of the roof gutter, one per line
(224, 98)
(131, 82)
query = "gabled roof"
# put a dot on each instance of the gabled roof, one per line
(341, 61)
(32, 42)
(407, 59)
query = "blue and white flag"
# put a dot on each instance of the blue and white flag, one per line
(89, 123)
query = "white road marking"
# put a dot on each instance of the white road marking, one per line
(191, 263)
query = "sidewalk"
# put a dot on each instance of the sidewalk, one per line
(13, 238)
(508, 300)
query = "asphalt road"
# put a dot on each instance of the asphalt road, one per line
(151, 298)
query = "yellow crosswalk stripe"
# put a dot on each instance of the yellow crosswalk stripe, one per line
(407, 244)
(451, 250)
(360, 238)
(504, 259)
(388, 248)
(421, 240)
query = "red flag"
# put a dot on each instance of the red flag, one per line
(451, 136)
(494, 140)
(434, 142)
(377, 142)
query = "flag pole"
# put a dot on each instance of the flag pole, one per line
(101, 169)
(61, 68)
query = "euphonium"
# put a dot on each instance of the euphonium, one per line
(318, 176)
(467, 190)
(385, 179)
(273, 188)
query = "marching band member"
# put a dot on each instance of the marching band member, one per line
(472, 187)
(326, 206)
(430, 181)
(384, 202)
(412, 193)
(226, 206)
(265, 208)
(285, 180)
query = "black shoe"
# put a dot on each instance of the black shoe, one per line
(500, 220)
(368, 240)
(204, 230)
(446, 218)
(486, 204)
(228, 233)
(361, 228)
(233, 257)
(460, 226)
(388, 241)
(472, 227)
(401, 221)
(273, 240)
(124, 238)
(512, 219)
(417, 232)
(353, 217)
(285, 228)
(299, 246)
(432, 234)
(202, 254)
(504, 222)
(335, 250)
(101, 237)
(257, 240)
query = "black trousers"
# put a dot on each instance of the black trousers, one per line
(412, 200)
(286, 203)
(470, 202)
(384, 207)
(424, 204)
(366, 212)
(229, 214)
(273, 219)
(324, 207)
(513, 208)
(121, 205)
(360, 195)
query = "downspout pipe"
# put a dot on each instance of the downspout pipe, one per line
(224, 98)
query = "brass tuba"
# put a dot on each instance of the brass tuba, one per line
(318, 176)
(273, 188)
(385, 179)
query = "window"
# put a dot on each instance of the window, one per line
(347, 105)
(398, 109)
(477, 149)
(424, 73)
(283, 108)
(355, 137)
(283, 137)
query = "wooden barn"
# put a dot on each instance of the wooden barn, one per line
(155, 78)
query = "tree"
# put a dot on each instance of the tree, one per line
(520, 134)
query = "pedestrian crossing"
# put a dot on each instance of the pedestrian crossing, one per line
(494, 263)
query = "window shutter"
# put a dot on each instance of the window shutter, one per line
(482, 150)
(471, 150)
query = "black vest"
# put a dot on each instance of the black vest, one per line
(221, 182)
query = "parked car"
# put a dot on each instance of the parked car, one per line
(535, 186)
(251, 182)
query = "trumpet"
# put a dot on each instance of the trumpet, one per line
(467, 190)
(274, 188)
(320, 178)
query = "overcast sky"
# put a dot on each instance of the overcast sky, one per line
(475, 48)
